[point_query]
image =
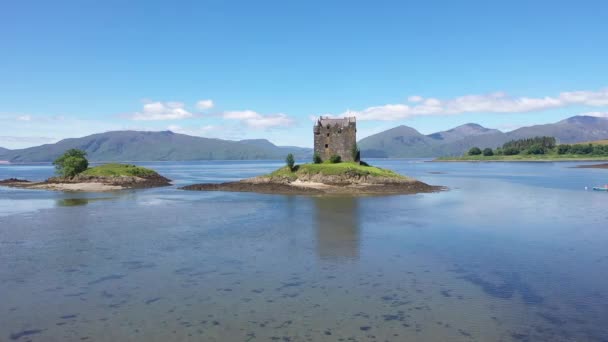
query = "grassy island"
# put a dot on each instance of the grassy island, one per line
(333, 178)
(118, 170)
(74, 174)
(350, 169)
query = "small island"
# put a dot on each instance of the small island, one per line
(541, 149)
(75, 175)
(336, 169)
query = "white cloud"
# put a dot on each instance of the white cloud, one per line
(162, 111)
(204, 104)
(259, 121)
(24, 118)
(597, 114)
(197, 131)
(498, 102)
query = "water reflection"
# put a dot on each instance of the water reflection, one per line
(337, 228)
(75, 202)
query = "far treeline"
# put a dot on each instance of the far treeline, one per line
(541, 146)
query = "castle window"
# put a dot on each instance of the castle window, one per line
(327, 134)
(326, 145)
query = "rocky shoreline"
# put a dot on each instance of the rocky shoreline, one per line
(321, 185)
(82, 183)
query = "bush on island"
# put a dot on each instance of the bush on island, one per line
(474, 151)
(316, 158)
(535, 149)
(290, 161)
(510, 151)
(488, 152)
(335, 159)
(71, 163)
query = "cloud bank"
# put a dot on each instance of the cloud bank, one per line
(256, 120)
(498, 102)
(162, 111)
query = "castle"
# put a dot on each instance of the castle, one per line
(335, 137)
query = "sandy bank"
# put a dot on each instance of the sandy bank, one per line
(89, 183)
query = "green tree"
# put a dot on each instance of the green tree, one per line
(316, 158)
(488, 152)
(510, 151)
(535, 149)
(290, 161)
(563, 149)
(71, 163)
(474, 151)
(335, 159)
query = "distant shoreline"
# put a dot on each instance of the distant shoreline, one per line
(476, 159)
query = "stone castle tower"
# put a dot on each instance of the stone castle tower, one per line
(335, 137)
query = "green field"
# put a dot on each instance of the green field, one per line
(598, 142)
(329, 169)
(528, 157)
(114, 170)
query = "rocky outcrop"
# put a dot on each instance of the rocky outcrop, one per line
(319, 184)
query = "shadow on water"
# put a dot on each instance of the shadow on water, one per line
(337, 228)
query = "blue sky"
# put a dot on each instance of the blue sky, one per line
(262, 69)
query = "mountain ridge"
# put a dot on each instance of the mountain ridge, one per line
(456, 141)
(155, 146)
(398, 142)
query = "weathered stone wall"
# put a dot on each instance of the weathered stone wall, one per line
(335, 140)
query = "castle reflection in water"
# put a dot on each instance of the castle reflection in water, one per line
(337, 228)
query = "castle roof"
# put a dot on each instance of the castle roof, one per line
(342, 122)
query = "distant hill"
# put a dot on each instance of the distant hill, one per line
(572, 130)
(155, 146)
(406, 142)
(397, 142)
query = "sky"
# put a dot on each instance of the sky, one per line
(265, 69)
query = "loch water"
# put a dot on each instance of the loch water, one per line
(512, 252)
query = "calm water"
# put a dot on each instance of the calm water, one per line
(513, 252)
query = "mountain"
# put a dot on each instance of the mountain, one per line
(150, 146)
(401, 141)
(571, 130)
(406, 142)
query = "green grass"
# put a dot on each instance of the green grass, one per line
(529, 157)
(109, 170)
(329, 169)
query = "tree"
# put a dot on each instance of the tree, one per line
(71, 163)
(535, 149)
(316, 158)
(510, 151)
(488, 152)
(335, 159)
(355, 153)
(290, 161)
(474, 151)
(563, 149)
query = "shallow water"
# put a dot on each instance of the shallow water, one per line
(513, 252)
